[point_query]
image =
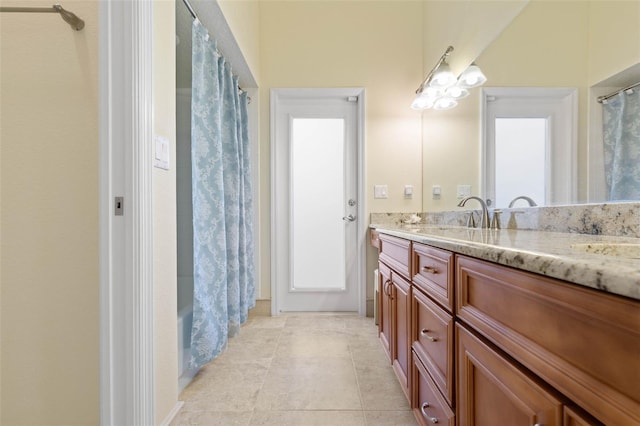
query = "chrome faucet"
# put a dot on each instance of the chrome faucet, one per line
(523, 197)
(484, 218)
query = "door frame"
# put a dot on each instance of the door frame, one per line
(563, 163)
(276, 96)
(126, 242)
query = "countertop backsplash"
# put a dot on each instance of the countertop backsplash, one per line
(615, 219)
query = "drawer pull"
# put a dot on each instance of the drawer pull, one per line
(429, 270)
(424, 413)
(424, 334)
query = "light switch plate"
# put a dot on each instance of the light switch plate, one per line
(408, 191)
(463, 191)
(161, 159)
(380, 191)
(436, 192)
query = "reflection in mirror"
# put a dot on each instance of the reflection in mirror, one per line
(590, 46)
(521, 145)
(622, 145)
(529, 145)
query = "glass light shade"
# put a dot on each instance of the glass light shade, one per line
(472, 77)
(422, 102)
(445, 103)
(443, 77)
(457, 92)
(432, 92)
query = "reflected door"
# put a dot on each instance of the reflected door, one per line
(529, 145)
(316, 204)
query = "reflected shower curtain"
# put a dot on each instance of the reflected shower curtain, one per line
(622, 146)
(224, 278)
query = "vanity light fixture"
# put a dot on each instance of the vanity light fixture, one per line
(472, 77)
(441, 89)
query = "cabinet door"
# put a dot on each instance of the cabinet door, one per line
(493, 391)
(401, 302)
(384, 307)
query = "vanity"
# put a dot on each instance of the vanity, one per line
(510, 327)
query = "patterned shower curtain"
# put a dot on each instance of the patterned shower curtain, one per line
(622, 146)
(223, 249)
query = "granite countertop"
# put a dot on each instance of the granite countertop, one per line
(546, 253)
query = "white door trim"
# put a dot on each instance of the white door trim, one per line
(126, 242)
(563, 164)
(276, 95)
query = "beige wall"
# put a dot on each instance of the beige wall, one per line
(375, 45)
(49, 220)
(243, 18)
(164, 213)
(614, 38)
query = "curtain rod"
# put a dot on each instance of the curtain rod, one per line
(191, 11)
(602, 99)
(69, 17)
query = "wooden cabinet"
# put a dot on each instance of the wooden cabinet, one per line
(395, 304)
(433, 273)
(429, 407)
(477, 343)
(400, 313)
(432, 341)
(493, 391)
(384, 307)
(586, 344)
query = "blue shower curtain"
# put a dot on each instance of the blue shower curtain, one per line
(622, 146)
(223, 249)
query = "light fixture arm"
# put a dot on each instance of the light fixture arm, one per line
(440, 61)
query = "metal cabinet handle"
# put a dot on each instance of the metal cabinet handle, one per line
(424, 334)
(433, 420)
(387, 284)
(429, 270)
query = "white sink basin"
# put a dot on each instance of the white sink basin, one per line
(628, 250)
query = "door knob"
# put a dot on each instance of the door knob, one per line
(349, 218)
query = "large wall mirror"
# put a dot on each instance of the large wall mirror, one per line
(588, 48)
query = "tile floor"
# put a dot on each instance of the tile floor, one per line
(302, 370)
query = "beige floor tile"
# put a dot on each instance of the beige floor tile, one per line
(251, 344)
(390, 418)
(266, 322)
(241, 399)
(367, 356)
(212, 418)
(310, 384)
(308, 418)
(302, 343)
(217, 377)
(315, 321)
(380, 389)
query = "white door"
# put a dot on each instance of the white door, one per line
(529, 145)
(315, 201)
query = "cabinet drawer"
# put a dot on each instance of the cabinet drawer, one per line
(433, 273)
(395, 252)
(428, 405)
(432, 340)
(582, 342)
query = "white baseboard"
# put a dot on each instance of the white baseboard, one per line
(172, 414)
